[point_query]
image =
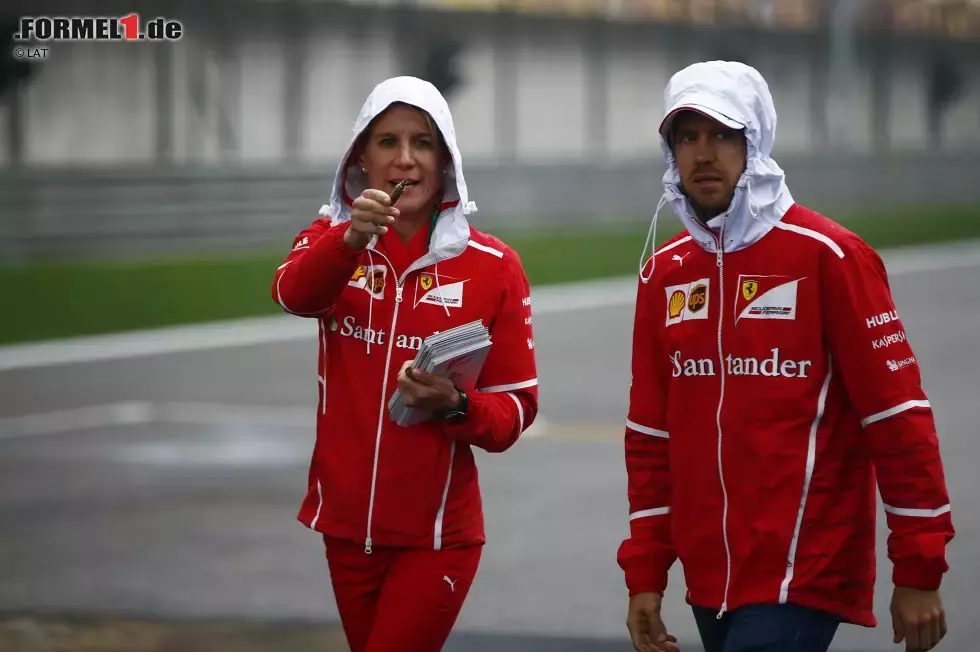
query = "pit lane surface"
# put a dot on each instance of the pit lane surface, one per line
(167, 484)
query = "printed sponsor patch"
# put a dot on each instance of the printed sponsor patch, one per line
(371, 279)
(688, 301)
(766, 297)
(447, 292)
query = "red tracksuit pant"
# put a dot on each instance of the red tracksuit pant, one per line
(399, 600)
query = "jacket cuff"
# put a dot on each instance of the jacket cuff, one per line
(643, 577)
(916, 577)
(334, 239)
(473, 421)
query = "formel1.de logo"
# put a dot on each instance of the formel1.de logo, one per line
(97, 28)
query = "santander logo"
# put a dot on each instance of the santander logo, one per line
(771, 367)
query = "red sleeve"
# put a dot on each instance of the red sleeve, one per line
(882, 380)
(647, 555)
(505, 402)
(317, 270)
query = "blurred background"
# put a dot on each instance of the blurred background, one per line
(155, 474)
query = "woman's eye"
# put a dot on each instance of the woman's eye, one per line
(424, 142)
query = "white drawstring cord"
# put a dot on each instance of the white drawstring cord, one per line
(651, 234)
(369, 279)
(439, 291)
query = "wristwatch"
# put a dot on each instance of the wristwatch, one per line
(457, 414)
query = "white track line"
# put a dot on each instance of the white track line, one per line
(134, 413)
(589, 295)
(76, 419)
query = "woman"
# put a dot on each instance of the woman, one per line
(399, 507)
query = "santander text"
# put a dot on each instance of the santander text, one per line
(734, 366)
(351, 329)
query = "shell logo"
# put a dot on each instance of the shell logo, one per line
(676, 304)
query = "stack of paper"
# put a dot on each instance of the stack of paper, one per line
(458, 353)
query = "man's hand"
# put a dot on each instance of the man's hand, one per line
(918, 618)
(426, 391)
(646, 628)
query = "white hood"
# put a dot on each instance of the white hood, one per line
(736, 95)
(452, 229)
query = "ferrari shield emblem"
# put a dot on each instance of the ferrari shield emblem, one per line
(426, 282)
(749, 288)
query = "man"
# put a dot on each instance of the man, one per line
(772, 381)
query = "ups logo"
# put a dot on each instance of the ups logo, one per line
(698, 298)
(377, 281)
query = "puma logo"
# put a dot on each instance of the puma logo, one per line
(680, 259)
(451, 583)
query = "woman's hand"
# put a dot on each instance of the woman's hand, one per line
(425, 391)
(371, 214)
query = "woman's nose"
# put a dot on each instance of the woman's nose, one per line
(405, 156)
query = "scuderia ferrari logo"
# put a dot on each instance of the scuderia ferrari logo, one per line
(766, 297)
(447, 292)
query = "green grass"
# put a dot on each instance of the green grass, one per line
(50, 300)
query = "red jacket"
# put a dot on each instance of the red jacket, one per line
(371, 480)
(772, 386)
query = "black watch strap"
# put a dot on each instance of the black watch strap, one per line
(457, 414)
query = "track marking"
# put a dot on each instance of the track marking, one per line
(135, 413)
(588, 295)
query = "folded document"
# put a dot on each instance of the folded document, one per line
(458, 353)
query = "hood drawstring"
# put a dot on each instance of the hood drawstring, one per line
(651, 235)
(439, 291)
(367, 339)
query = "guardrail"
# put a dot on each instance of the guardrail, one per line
(138, 212)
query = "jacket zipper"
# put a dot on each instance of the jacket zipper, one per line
(399, 287)
(721, 400)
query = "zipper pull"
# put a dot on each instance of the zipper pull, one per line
(398, 298)
(720, 254)
(724, 608)
(367, 546)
